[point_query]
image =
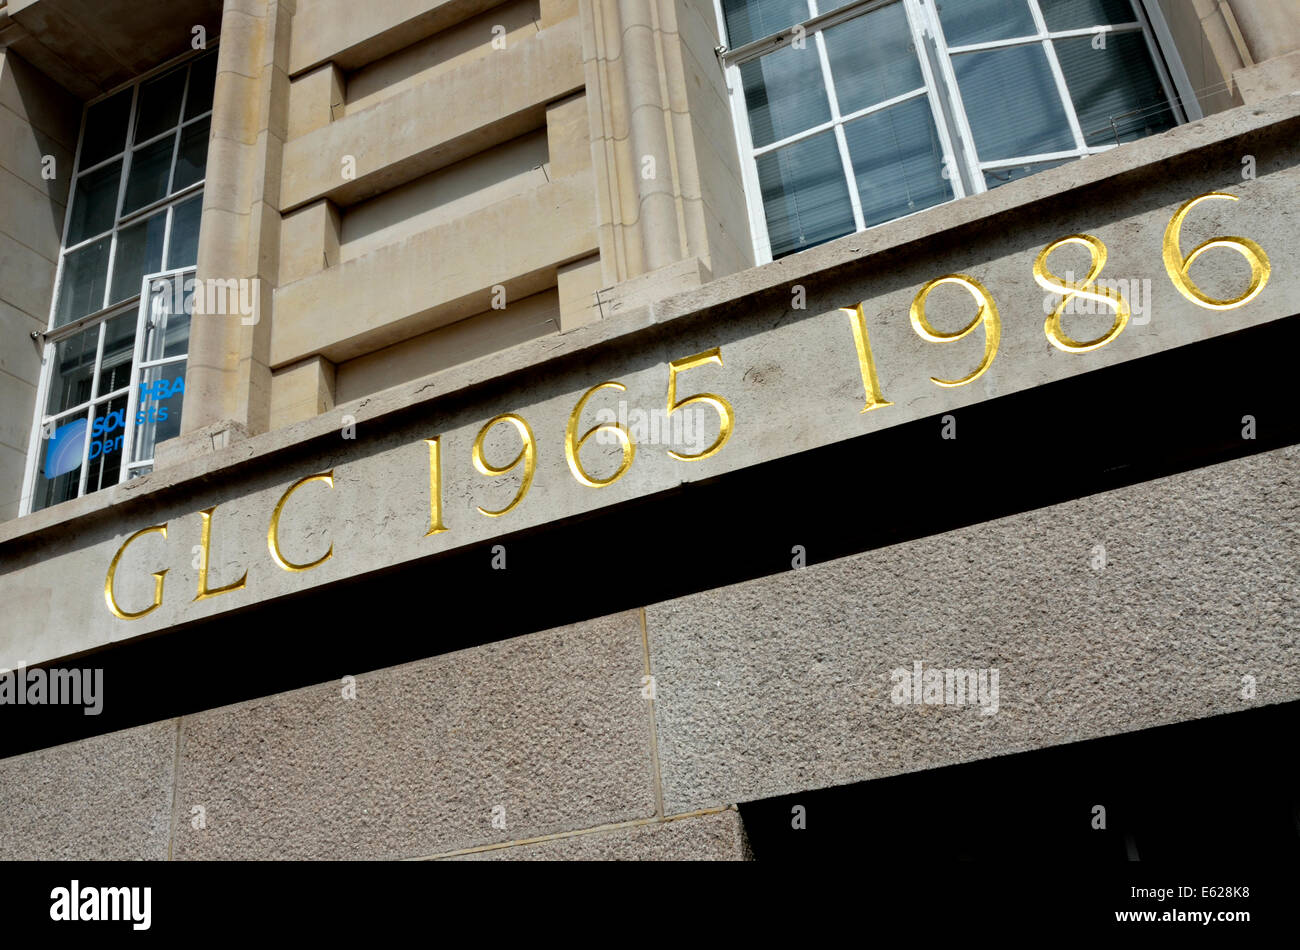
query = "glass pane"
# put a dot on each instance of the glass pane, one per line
(150, 168)
(1115, 90)
(203, 75)
(978, 21)
(1076, 14)
(784, 93)
(1012, 102)
(1003, 175)
(139, 252)
(872, 58)
(94, 206)
(749, 20)
(119, 347)
(192, 163)
(160, 105)
(183, 250)
(74, 362)
(107, 433)
(105, 133)
(830, 6)
(898, 161)
(85, 278)
(158, 413)
(60, 474)
(167, 330)
(805, 194)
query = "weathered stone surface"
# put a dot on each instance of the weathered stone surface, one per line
(302, 390)
(1269, 79)
(551, 727)
(326, 30)
(783, 683)
(101, 45)
(714, 837)
(106, 798)
(469, 251)
(431, 125)
(792, 376)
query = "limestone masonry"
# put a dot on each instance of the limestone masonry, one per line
(552, 429)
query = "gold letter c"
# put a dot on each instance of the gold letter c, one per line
(273, 533)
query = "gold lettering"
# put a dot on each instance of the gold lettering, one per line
(1177, 265)
(987, 315)
(1111, 298)
(109, 596)
(273, 532)
(205, 542)
(573, 445)
(527, 455)
(435, 486)
(866, 362)
(726, 415)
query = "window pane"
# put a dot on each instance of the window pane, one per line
(106, 436)
(872, 58)
(184, 247)
(60, 473)
(105, 133)
(150, 168)
(805, 194)
(160, 105)
(167, 331)
(203, 75)
(898, 161)
(85, 276)
(158, 413)
(1115, 90)
(192, 163)
(978, 21)
(784, 94)
(1012, 103)
(749, 20)
(830, 6)
(119, 347)
(73, 364)
(139, 252)
(1076, 14)
(1003, 175)
(94, 206)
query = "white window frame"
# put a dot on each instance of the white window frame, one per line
(951, 123)
(46, 424)
(169, 281)
(43, 424)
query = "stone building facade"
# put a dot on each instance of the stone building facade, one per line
(541, 428)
